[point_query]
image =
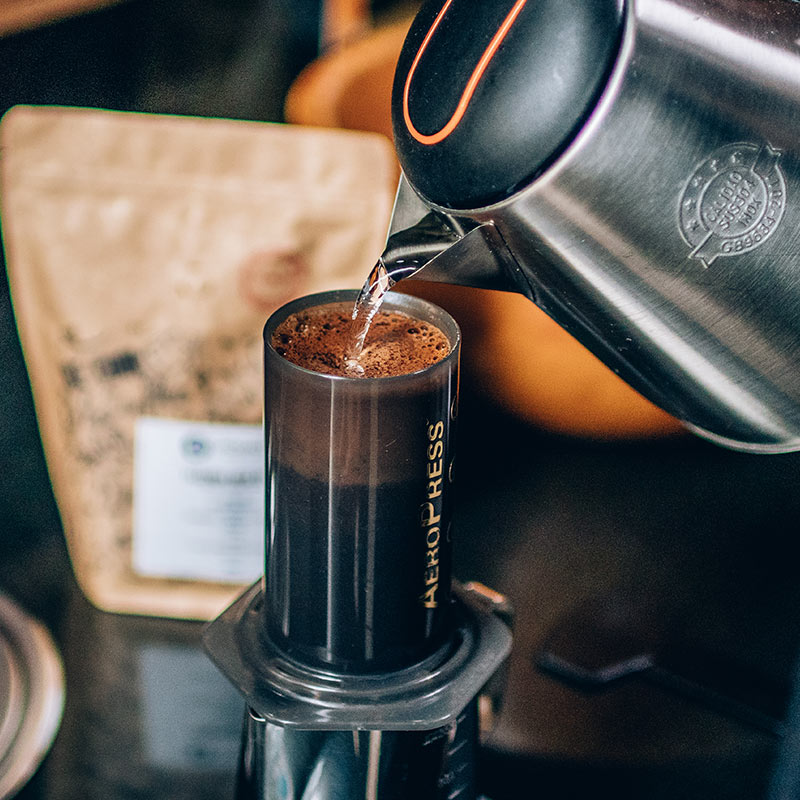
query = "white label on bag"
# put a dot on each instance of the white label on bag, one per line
(198, 500)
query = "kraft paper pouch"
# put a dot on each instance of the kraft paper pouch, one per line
(144, 254)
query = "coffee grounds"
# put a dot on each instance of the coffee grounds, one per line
(396, 344)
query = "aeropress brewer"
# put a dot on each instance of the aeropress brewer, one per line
(361, 665)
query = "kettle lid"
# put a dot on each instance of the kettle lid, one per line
(486, 95)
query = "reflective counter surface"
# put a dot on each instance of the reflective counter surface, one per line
(608, 552)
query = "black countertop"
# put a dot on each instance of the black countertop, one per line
(676, 547)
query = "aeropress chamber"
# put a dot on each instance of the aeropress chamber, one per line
(360, 663)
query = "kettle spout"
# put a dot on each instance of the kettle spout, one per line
(431, 245)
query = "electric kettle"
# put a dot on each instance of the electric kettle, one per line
(631, 166)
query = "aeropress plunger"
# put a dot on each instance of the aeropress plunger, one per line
(360, 665)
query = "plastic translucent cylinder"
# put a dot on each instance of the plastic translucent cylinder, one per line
(358, 505)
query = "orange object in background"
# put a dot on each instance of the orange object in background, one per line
(343, 21)
(351, 85)
(543, 375)
(532, 368)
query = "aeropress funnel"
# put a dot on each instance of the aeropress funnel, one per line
(361, 665)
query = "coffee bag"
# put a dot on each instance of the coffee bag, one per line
(144, 254)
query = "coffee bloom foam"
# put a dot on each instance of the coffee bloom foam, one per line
(318, 339)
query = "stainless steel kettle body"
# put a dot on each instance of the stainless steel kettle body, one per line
(665, 233)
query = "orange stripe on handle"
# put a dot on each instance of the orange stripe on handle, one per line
(472, 83)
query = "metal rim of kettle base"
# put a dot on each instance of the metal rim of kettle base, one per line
(423, 697)
(31, 695)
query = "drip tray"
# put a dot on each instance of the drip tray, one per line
(31, 695)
